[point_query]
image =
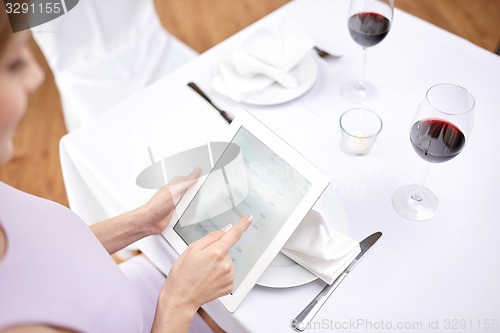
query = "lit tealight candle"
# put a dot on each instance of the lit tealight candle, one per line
(357, 143)
(360, 128)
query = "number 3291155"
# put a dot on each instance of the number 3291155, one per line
(25, 8)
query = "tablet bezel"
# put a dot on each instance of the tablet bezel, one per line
(319, 181)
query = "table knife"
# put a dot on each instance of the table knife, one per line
(300, 322)
(200, 92)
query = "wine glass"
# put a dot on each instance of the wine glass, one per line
(441, 127)
(369, 22)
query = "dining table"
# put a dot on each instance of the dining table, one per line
(437, 275)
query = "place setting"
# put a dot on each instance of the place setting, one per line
(272, 64)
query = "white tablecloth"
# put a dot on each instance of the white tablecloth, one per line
(438, 275)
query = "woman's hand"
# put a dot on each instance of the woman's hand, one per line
(149, 219)
(157, 212)
(202, 273)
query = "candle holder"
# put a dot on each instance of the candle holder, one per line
(360, 128)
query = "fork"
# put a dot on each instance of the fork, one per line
(326, 55)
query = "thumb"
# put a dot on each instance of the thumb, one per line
(189, 179)
(179, 185)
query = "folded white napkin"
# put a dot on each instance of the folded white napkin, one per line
(265, 56)
(320, 249)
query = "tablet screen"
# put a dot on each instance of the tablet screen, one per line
(248, 178)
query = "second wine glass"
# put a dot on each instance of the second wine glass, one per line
(440, 128)
(369, 22)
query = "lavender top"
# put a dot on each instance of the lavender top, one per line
(55, 271)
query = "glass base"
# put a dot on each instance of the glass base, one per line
(415, 203)
(358, 91)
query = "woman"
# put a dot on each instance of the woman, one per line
(56, 274)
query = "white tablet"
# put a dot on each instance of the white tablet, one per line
(259, 174)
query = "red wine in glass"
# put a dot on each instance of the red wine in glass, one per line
(368, 29)
(436, 140)
(439, 131)
(368, 22)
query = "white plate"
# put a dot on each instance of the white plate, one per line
(305, 73)
(284, 272)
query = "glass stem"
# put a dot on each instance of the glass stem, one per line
(360, 86)
(417, 194)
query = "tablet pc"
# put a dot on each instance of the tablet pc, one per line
(259, 174)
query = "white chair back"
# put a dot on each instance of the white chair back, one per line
(102, 51)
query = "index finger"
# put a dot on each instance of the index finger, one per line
(232, 235)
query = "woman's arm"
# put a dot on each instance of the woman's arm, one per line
(121, 231)
(202, 273)
(149, 219)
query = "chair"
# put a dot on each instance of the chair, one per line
(101, 52)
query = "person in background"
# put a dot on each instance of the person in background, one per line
(56, 273)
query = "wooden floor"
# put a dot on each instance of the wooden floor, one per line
(201, 24)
